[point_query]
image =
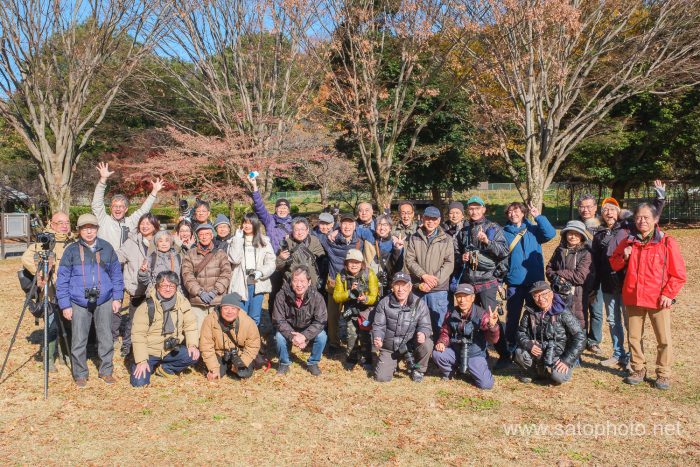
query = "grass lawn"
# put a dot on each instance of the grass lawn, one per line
(344, 417)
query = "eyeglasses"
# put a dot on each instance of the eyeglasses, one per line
(587, 207)
(62, 223)
(167, 285)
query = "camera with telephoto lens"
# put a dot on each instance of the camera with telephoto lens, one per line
(170, 343)
(464, 340)
(548, 357)
(562, 286)
(92, 294)
(383, 278)
(405, 353)
(231, 357)
(47, 240)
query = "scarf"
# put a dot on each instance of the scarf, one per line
(168, 305)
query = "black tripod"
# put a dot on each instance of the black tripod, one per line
(46, 309)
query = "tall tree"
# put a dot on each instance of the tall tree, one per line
(384, 60)
(248, 74)
(545, 73)
(52, 54)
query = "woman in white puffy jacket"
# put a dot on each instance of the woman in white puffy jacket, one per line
(253, 262)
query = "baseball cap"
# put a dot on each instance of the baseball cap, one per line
(87, 219)
(539, 286)
(206, 225)
(432, 211)
(326, 217)
(476, 200)
(465, 289)
(354, 254)
(401, 277)
(347, 217)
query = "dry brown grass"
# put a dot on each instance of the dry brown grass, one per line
(344, 418)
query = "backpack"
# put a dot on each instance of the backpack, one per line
(301, 255)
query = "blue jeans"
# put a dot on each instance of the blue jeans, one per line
(516, 297)
(595, 319)
(614, 307)
(437, 304)
(253, 306)
(174, 362)
(317, 345)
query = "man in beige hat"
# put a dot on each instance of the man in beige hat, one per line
(90, 284)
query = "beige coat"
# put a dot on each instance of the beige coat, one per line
(213, 341)
(148, 340)
(435, 258)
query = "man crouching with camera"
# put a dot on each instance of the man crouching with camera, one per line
(161, 324)
(463, 338)
(229, 340)
(550, 339)
(90, 285)
(401, 331)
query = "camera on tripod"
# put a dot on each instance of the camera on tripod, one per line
(91, 295)
(231, 357)
(47, 240)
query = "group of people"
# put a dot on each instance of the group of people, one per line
(411, 290)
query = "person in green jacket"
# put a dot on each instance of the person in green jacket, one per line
(357, 289)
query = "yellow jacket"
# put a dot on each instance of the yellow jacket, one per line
(341, 292)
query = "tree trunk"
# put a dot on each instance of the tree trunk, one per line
(435, 194)
(232, 213)
(536, 196)
(323, 190)
(383, 197)
(59, 197)
(619, 188)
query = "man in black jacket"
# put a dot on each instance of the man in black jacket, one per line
(550, 339)
(402, 330)
(299, 316)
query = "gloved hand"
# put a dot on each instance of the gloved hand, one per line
(257, 275)
(207, 297)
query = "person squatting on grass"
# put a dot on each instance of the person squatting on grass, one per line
(461, 346)
(550, 338)
(229, 340)
(163, 333)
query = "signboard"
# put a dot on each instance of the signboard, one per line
(15, 225)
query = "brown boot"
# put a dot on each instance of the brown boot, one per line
(662, 383)
(636, 377)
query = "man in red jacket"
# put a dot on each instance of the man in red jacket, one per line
(655, 276)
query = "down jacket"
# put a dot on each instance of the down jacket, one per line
(453, 327)
(574, 265)
(299, 255)
(213, 341)
(147, 339)
(434, 257)
(216, 275)
(397, 324)
(275, 227)
(264, 262)
(309, 319)
(654, 268)
(557, 328)
(71, 283)
(160, 262)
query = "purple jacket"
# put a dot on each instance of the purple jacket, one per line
(276, 227)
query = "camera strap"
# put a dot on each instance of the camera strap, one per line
(97, 264)
(236, 326)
